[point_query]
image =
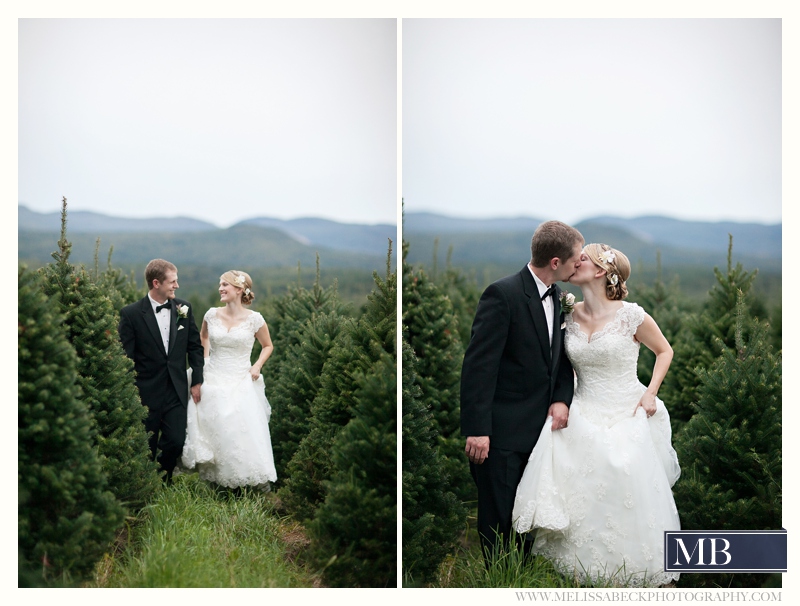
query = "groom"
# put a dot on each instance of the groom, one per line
(516, 374)
(158, 333)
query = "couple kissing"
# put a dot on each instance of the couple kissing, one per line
(569, 451)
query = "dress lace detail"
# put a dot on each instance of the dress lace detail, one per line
(599, 490)
(227, 434)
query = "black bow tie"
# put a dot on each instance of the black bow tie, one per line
(160, 307)
(549, 292)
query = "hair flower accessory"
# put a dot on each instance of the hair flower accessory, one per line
(567, 302)
(247, 291)
(607, 256)
(613, 278)
(240, 280)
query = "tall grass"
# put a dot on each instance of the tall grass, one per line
(507, 568)
(194, 535)
(510, 568)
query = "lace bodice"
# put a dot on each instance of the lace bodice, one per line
(605, 365)
(232, 348)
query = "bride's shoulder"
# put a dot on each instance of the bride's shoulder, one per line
(211, 313)
(257, 319)
(634, 311)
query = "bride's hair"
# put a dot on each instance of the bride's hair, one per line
(617, 266)
(241, 280)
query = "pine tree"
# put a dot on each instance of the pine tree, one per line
(731, 449)
(105, 375)
(361, 343)
(287, 315)
(358, 520)
(432, 331)
(299, 372)
(705, 336)
(303, 325)
(66, 515)
(668, 308)
(464, 295)
(121, 289)
(433, 517)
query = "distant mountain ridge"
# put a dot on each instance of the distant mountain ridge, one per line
(258, 242)
(506, 242)
(753, 238)
(424, 222)
(332, 234)
(313, 232)
(84, 221)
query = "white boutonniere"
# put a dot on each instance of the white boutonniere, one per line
(183, 311)
(567, 302)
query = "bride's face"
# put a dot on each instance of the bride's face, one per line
(229, 292)
(586, 272)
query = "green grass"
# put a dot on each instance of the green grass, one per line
(465, 568)
(194, 535)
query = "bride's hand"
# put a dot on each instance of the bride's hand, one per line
(255, 372)
(648, 403)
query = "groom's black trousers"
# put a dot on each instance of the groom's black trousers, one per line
(497, 479)
(167, 422)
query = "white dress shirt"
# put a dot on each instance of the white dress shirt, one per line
(547, 304)
(163, 318)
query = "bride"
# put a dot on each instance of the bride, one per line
(598, 492)
(227, 433)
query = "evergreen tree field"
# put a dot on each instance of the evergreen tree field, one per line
(433, 516)
(66, 515)
(105, 376)
(730, 450)
(84, 462)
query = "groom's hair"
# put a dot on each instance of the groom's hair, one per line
(157, 270)
(553, 239)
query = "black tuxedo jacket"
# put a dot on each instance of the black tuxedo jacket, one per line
(155, 368)
(511, 374)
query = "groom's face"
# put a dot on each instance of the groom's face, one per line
(568, 268)
(167, 288)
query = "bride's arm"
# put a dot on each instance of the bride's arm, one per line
(266, 351)
(650, 334)
(204, 339)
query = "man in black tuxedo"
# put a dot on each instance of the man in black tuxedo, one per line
(158, 333)
(516, 374)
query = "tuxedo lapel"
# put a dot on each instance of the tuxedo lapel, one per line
(537, 313)
(152, 324)
(173, 323)
(557, 325)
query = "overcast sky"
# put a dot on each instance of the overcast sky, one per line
(573, 118)
(220, 119)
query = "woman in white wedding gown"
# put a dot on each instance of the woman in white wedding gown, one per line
(599, 492)
(227, 433)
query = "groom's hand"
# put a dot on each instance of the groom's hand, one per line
(560, 413)
(477, 449)
(196, 393)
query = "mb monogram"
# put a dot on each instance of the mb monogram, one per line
(730, 551)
